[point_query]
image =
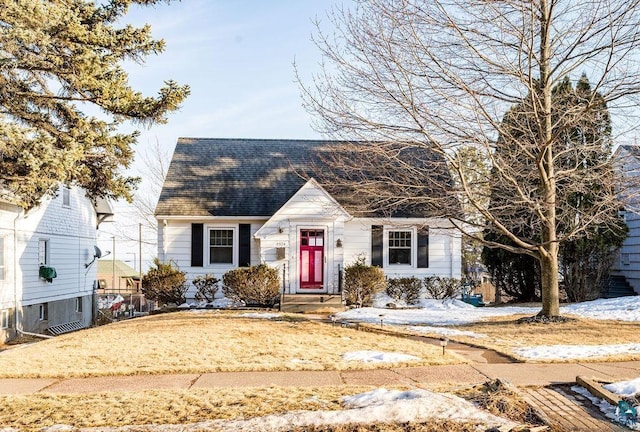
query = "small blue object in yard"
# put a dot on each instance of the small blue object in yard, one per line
(627, 413)
(473, 299)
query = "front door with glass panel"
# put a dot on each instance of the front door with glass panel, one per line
(311, 259)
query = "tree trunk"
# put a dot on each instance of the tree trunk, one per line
(550, 290)
(549, 249)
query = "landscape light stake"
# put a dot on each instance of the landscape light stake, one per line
(381, 319)
(443, 343)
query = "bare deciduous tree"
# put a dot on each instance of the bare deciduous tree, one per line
(406, 75)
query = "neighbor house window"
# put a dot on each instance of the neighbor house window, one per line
(44, 312)
(79, 304)
(399, 247)
(220, 246)
(4, 319)
(66, 197)
(43, 252)
(625, 258)
(1, 258)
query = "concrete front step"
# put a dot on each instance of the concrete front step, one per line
(303, 303)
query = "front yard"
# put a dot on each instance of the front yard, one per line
(208, 341)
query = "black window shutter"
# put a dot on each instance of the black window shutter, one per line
(376, 245)
(244, 242)
(423, 249)
(197, 244)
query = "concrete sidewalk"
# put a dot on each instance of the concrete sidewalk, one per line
(519, 374)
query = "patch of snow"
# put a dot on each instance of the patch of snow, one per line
(566, 352)
(434, 312)
(222, 302)
(625, 388)
(376, 406)
(618, 309)
(259, 315)
(445, 331)
(456, 312)
(378, 357)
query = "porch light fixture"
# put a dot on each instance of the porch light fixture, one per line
(280, 229)
(339, 243)
(443, 343)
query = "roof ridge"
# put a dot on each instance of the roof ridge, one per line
(265, 139)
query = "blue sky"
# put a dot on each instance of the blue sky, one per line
(237, 56)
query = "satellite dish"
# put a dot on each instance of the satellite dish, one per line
(97, 253)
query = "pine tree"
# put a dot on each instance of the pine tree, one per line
(582, 141)
(56, 58)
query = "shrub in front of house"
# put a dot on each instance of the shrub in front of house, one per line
(442, 287)
(255, 286)
(361, 282)
(206, 287)
(165, 284)
(406, 289)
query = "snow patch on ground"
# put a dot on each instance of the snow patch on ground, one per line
(624, 388)
(434, 312)
(258, 315)
(445, 331)
(617, 309)
(378, 357)
(565, 352)
(379, 405)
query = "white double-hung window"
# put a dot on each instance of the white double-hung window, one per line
(400, 247)
(221, 242)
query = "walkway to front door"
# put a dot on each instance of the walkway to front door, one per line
(311, 259)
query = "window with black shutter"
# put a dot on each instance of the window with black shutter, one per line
(377, 245)
(244, 249)
(197, 245)
(423, 249)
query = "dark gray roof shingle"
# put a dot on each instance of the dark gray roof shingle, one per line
(242, 177)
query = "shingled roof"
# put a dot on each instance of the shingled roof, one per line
(243, 177)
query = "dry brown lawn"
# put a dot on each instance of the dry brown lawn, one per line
(504, 335)
(206, 341)
(165, 407)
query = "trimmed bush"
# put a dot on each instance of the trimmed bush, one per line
(442, 287)
(255, 286)
(206, 287)
(165, 284)
(361, 282)
(406, 289)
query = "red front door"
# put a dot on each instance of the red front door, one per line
(311, 259)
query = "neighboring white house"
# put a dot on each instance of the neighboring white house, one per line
(44, 278)
(236, 202)
(627, 158)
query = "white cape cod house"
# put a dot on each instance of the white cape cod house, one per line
(227, 203)
(46, 286)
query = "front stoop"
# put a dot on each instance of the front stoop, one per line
(311, 303)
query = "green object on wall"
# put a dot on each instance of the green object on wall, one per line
(47, 273)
